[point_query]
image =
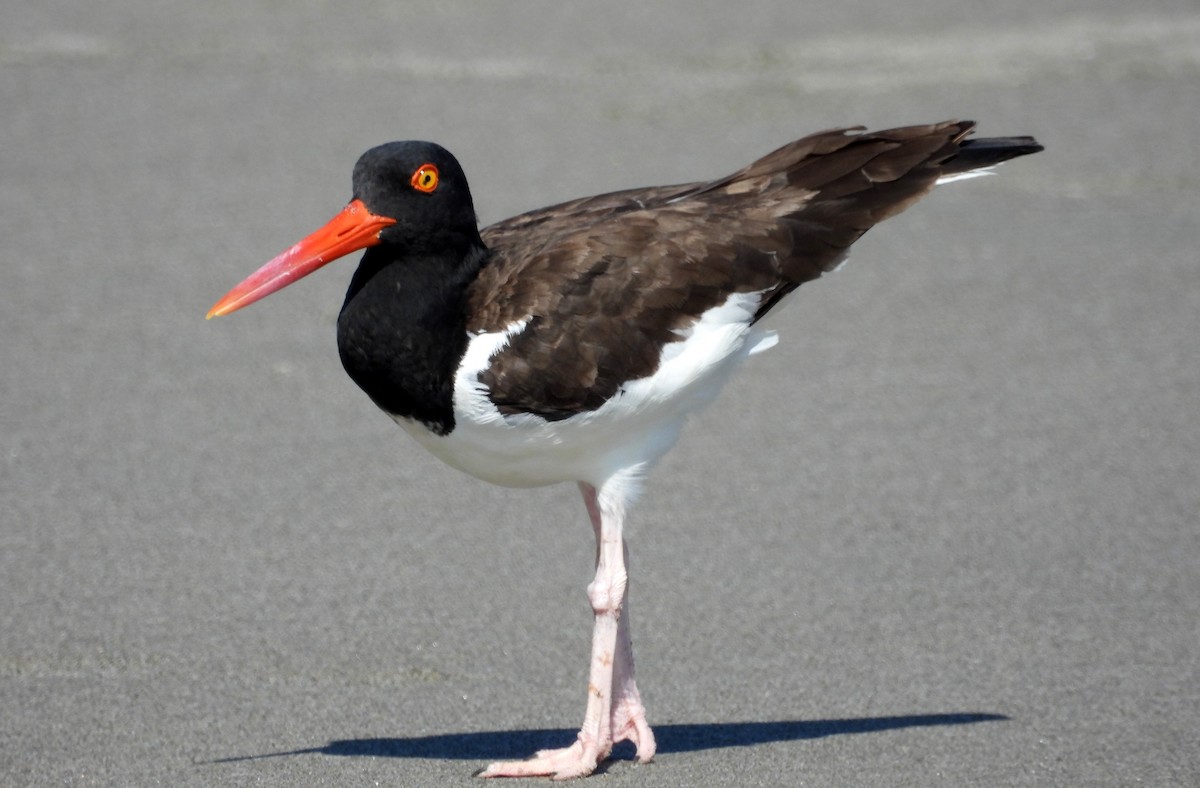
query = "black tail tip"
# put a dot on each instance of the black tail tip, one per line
(988, 151)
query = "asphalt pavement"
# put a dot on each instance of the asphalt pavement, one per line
(944, 534)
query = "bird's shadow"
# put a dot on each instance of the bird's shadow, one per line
(491, 745)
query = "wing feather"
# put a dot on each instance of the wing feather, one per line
(606, 282)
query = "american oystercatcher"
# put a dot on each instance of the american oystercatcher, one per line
(570, 343)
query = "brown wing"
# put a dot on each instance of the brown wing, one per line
(605, 282)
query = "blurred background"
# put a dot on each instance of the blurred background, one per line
(944, 534)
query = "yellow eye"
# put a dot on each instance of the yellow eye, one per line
(425, 179)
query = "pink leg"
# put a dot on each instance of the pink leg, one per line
(627, 715)
(614, 709)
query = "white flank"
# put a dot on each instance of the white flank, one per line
(625, 436)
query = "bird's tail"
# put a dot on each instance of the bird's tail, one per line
(978, 157)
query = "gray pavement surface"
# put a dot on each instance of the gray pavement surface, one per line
(944, 534)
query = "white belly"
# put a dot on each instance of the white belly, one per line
(628, 433)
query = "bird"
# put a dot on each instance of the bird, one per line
(570, 343)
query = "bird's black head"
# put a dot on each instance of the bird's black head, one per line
(411, 202)
(422, 186)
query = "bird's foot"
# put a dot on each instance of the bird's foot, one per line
(628, 721)
(578, 760)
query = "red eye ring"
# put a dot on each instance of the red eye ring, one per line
(425, 179)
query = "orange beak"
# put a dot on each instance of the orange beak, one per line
(352, 229)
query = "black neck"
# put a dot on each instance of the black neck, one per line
(402, 330)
